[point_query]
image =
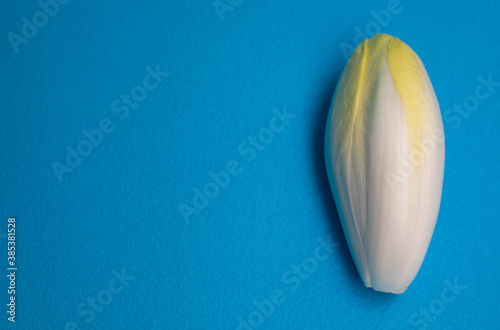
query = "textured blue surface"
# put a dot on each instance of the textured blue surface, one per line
(265, 235)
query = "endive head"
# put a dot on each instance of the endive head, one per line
(385, 160)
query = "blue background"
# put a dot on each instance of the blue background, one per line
(119, 209)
